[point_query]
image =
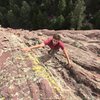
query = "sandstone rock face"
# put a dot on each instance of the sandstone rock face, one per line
(23, 75)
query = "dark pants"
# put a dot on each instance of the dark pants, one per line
(46, 57)
(52, 52)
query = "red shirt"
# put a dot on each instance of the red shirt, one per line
(52, 46)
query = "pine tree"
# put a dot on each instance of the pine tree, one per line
(11, 3)
(4, 3)
(25, 14)
(60, 20)
(77, 15)
(97, 20)
(41, 19)
(16, 10)
(34, 12)
(3, 14)
(11, 18)
(61, 6)
(70, 6)
(48, 6)
(1, 18)
(52, 24)
(67, 14)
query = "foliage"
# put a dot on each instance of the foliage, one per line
(77, 15)
(51, 14)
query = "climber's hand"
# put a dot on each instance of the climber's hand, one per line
(69, 65)
(26, 49)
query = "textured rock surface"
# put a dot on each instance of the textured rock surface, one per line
(23, 77)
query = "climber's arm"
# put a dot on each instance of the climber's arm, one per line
(66, 55)
(33, 47)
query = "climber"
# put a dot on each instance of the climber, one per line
(55, 44)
